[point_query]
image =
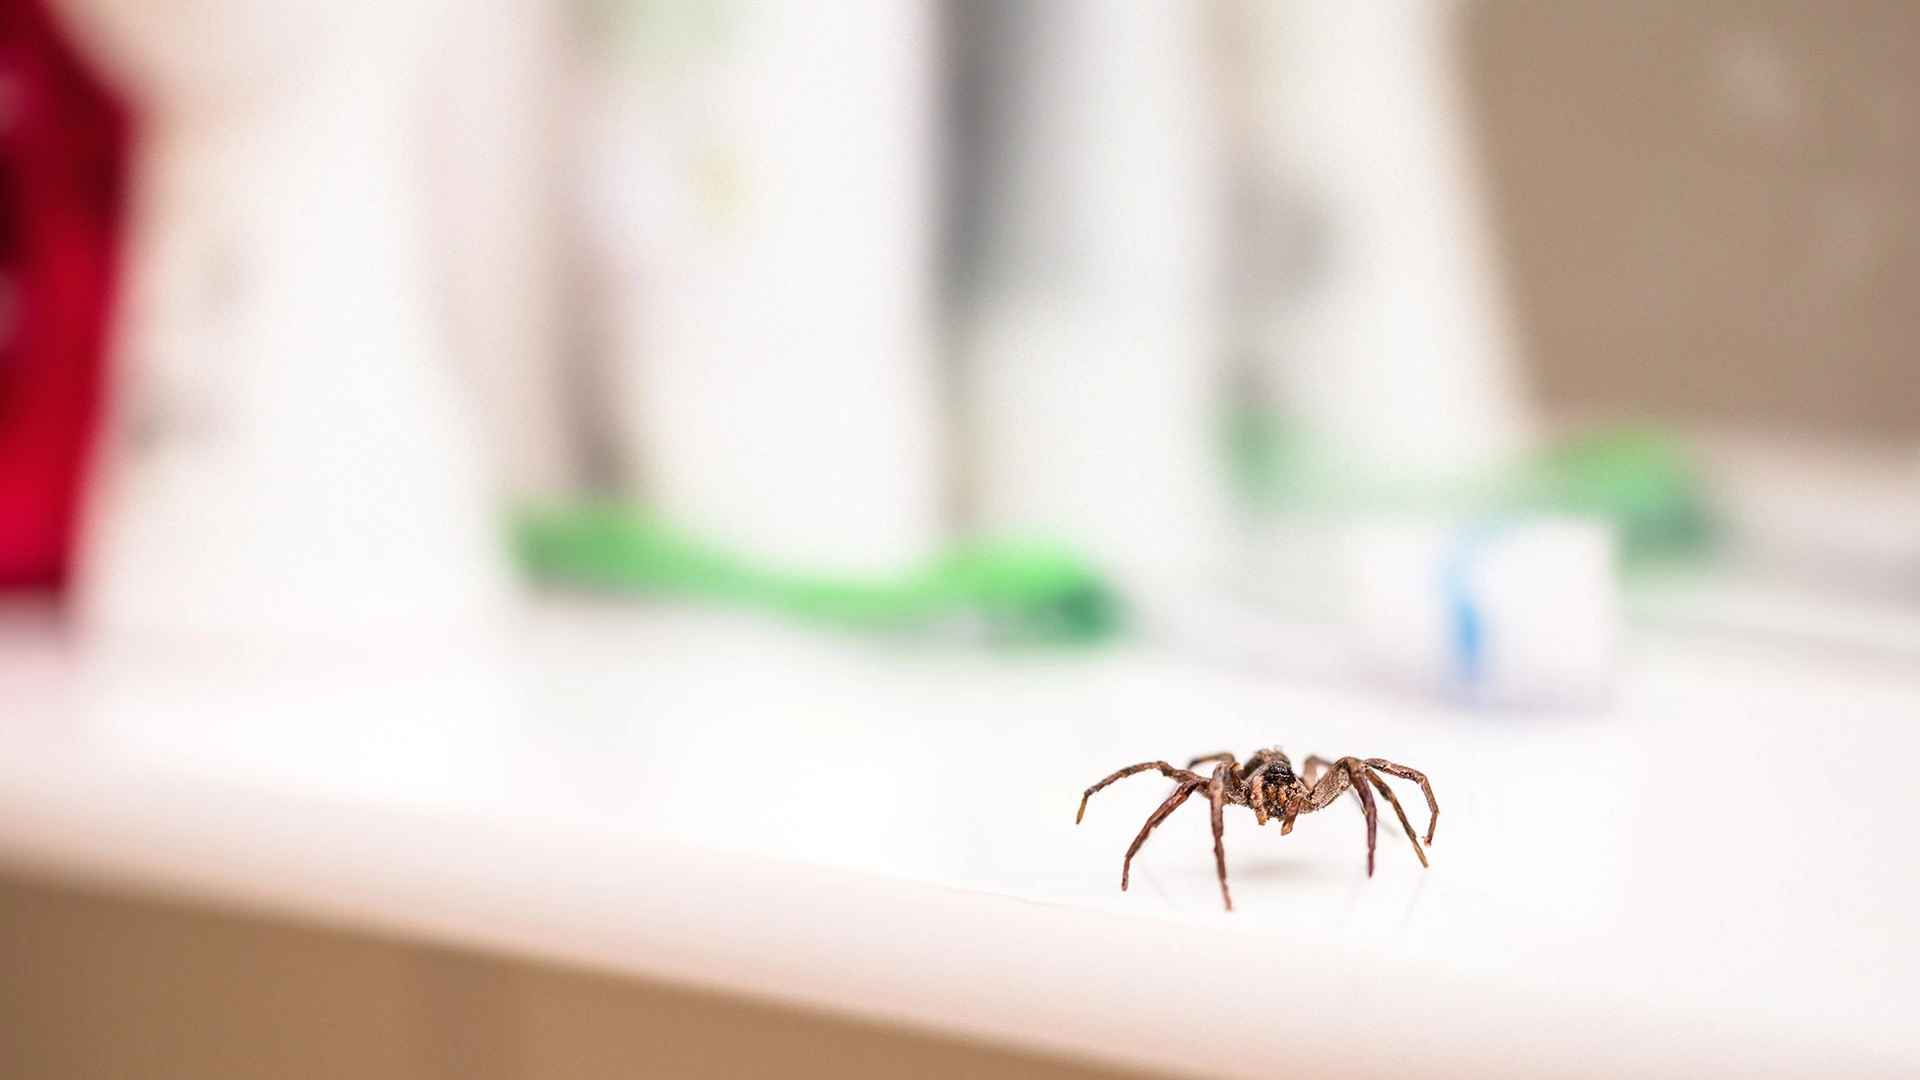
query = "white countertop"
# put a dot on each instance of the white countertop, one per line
(1719, 876)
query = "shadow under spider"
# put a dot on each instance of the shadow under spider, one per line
(1283, 869)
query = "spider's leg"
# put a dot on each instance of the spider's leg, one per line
(1217, 795)
(1402, 814)
(1417, 777)
(1347, 773)
(1330, 781)
(1180, 795)
(1316, 767)
(1373, 816)
(1171, 773)
(1224, 755)
(1256, 794)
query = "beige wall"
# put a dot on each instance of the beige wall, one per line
(1711, 209)
(100, 988)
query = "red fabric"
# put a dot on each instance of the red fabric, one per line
(62, 168)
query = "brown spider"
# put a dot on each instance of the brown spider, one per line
(1267, 785)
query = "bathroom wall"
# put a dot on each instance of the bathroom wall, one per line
(1710, 210)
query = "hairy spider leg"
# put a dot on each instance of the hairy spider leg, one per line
(1255, 794)
(1364, 770)
(1341, 775)
(1366, 802)
(1169, 771)
(1208, 759)
(1402, 814)
(1217, 795)
(1310, 768)
(1417, 777)
(1180, 795)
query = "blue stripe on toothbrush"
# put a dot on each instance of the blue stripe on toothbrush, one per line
(1468, 625)
(1468, 643)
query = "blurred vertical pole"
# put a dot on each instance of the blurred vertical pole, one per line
(759, 183)
(1090, 285)
(287, 454)
(1388, 342)
(62, 146)
(493, 114)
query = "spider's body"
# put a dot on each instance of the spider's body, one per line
(1266, 784)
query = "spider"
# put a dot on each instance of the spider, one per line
(1266, 784)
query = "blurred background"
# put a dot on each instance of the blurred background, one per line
(1434, 343)
(1074, 316)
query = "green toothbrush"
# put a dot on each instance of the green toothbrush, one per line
(1008, 593)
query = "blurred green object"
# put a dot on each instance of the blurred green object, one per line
(1006, 594)
(1639, 477)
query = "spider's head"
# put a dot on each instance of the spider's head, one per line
(1279, 793)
